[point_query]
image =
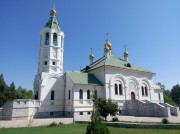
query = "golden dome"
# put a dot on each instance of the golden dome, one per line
(106, 48)
(125, 54)
(108, 44)
(91, 56)
(53, 12)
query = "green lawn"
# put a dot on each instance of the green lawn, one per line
(81, 129)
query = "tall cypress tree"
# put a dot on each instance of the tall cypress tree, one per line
(96, 126)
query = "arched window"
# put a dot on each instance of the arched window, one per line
(88, 94)
(36, 96)
(47, 39)
(120, 89)
(52, 95)
(116, 89)
(69, 97)
(142, 89)
(146, 91)
(55, 39)
(80, 94)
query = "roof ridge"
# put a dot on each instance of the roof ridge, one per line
(93, 64)
(97, 60)
(115, 62)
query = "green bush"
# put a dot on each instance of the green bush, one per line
(60, 123)
(115, 119)
(100, 128)
(165, 121)
(53, 124)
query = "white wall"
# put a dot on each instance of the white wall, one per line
(85, 104)
(125, 77)
(52, 82)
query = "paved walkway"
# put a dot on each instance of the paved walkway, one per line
(41, 122)
(34, 122)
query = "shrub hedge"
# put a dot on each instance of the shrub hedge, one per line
(138, 125)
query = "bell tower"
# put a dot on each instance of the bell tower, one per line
(50, 62)
(51, 47)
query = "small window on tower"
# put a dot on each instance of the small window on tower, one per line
(55, 39)
(45, 62)
(47, 39)
(54, 63)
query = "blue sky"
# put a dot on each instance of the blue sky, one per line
(150, 28)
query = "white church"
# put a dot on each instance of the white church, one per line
(68, 94)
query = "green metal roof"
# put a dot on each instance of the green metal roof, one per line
(83, 78)
(114, 62)
(52, 23)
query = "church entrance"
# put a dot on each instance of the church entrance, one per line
(133, 96)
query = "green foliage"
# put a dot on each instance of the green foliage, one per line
(175, 94)
(10, 92)
(60, 123)
(107, 107)
(167, 97)
(115, 119)
(96, 125)
(3, 89)
(23, 93)
(171, 96)
(165, 121)
(98, 128)
(53, 124)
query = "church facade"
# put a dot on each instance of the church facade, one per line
(68, 94)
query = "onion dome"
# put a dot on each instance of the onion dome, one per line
(53, 12)
(125, 54)
(52, 22)
(91, 56)
(108, 44)
(106, 48)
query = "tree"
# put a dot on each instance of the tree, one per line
(175, 94)
(166, 94)
(167, 97)
(12, 91)
(3, 88)
(107, 107)
(162, 86)
(23, 93)
(96, 126)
